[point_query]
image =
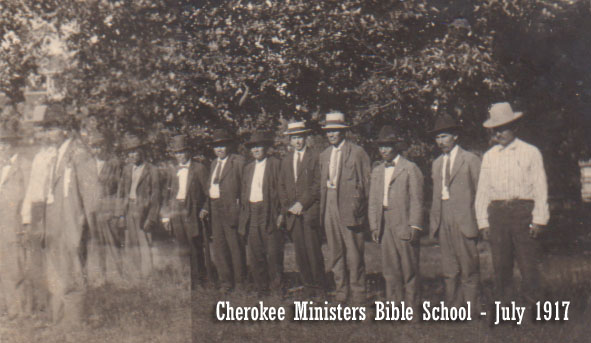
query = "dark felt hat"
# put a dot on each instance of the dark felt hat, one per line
(132, 142)
(259, 138)
(445, 123)
(221, 136)
(178, 143)
(388, 135)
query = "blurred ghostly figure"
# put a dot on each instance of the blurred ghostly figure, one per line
(139, 196)
(13, 179)
(104, 261)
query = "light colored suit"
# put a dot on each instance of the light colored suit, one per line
(67, 218)
(400, 256)
(343, 211)
(12, 252)
(454, 221)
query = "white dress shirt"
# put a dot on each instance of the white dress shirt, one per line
(99, 166)
(333, 165)
(452, 157)
(183, 174)
(512, 172)
(37, 189)
(298, 155)
(214, 189)
(256, 186)
(136, 173)
(388, 172)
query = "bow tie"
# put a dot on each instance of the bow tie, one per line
(390, 164)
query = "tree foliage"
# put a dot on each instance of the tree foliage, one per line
(177, 65)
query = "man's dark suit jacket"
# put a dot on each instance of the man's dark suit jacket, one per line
(305, 191)
(270, 194)
(353, 184)
(230, 183)
(462, 191)
(195, 197)
(148, 193)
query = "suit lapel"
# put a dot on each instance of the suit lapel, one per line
(62, 163)
(457, 164)
(190, 176)
(345, 153)
(398, 169)
(249, 175)
(227, 167)
(303, 163)
(380, 171)
(142, 177)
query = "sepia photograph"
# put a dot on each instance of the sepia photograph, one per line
(295, 171)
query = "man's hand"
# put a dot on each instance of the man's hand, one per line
(296, 209)
(484, 234)
(279, 221)
(375, 235)
(166, 224)
(203, 214)
(535, 230)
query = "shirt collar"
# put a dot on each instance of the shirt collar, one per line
(223, 160)
(512, 146)
(452, 154)
(261, 161)
(340, 146)
(185, 165)
(301, 152)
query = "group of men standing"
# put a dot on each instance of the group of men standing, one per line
(75, 215)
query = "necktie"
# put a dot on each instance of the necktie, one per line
(218, 173)
(447, 171)
(297, 165)
(334, 168)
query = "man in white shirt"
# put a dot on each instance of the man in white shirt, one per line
(259, 215)
(185, 196)
(396, 218)
(512, 204)
(452, 217)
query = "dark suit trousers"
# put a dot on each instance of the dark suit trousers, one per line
(345, 247)
(509, 241)
(460, 261)
(190, 248)
(265, 249)
(308, 253)
(229, 252)
(400, 265)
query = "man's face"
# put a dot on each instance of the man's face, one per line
(297, 142)
(387, 152)
(182, 157)
(221, 151)
(96, 150)
(335, 137)
(446, 141)
(503, 135)
(134, 157)
(258, 152)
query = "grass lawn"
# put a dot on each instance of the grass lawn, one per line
(160, 310)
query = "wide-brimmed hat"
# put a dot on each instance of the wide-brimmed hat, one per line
(388, 135)
(178, 143)
(335, 121)
(501, 114)
(445, 123)
(296, 128)
(259, 138)
(53, 116)
(132, 142)
(221, 136)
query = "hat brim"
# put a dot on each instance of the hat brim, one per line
(490, 123)
(134, 147)
(182, 149)
(445, 129)
(335, 127)
(221, 141)
(258, 143)
(297, 132)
